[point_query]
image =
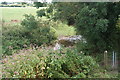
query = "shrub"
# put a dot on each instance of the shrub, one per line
(33, 31)
(48, 12)
(37, 31)
(50, 64)
(84, 47)
(12, 39)
(39, 4)
(29, 22)
(41, 13)
(21, 66)
(72, 65)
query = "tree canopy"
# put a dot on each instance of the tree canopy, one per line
(96, 22)
(39, 4)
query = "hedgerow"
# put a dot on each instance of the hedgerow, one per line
(43, 63)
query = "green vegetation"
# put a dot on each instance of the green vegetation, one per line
(62, 29)
(51, 64)
(28, 48)
(16, 4)
(16, 13)
(69, 30)
(32, 31)
(41, 12)
(12, 39)
(93, 21)
(39, 4)
(98, 26)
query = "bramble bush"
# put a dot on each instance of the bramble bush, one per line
(44, 63)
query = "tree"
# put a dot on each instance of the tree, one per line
(39, 4)
(23, 3)
(66, 11)
(5, 3)
(96, 22)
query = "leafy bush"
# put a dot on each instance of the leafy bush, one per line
(37, 31)
(12, 39)
(32, 31)
(22, 65)
(73, 65)
(50, 64)
(48, 12)
(39, 4)
(41, 12)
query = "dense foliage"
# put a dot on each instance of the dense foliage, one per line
(61, 11)
(41, 13)
(48, 12)
(38, 32)
(39, 4)
(65, 11)
(32, 31)
(96, 22)
(50, 64)
(12, 38)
